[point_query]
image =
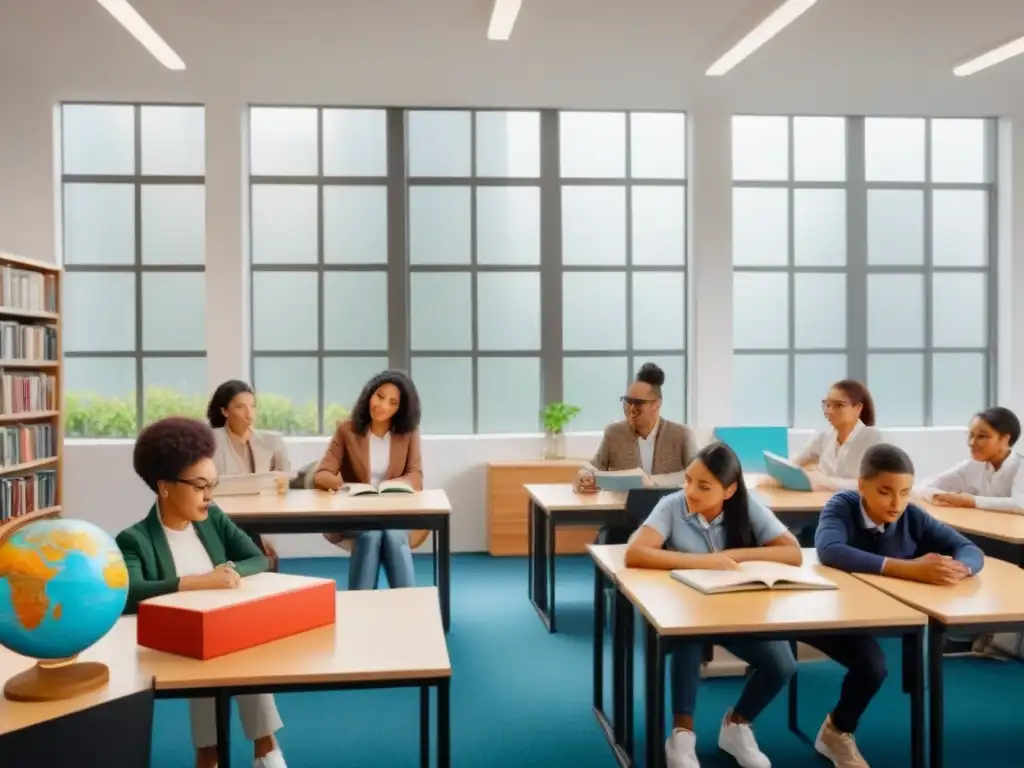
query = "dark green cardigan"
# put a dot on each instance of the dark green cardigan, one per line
(150, 565)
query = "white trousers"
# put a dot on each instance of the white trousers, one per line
(258, 713)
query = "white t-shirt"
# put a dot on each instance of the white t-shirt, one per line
(187, 550)
(998, 489)
(380, 458)
(840, 464)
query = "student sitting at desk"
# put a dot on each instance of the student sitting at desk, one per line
(380, 441)
(714, 523)
(187, 543)
(993, 478)
(877, 530)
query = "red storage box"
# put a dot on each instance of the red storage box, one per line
(210, 623)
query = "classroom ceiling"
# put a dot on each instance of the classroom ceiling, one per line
(849, 56)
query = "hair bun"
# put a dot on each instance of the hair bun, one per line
(650, 373)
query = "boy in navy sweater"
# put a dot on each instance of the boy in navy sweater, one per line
(877, 530)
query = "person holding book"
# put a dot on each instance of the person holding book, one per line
(714, 523)
(876, 529)
(186, 543)
(993, 478)
(380, 442)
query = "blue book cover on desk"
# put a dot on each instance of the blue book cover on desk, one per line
(785, 473)
(622, 480)
(750, 443)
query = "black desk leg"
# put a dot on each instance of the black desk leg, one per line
(654, 667)
(444, 571)
(538, 563)
(794, 695)
(599, 624)
(624, 614)
(530, 540)
(913, 684)
(444, 728)
(424, 726)
(550, 566)
(222, 710)
(936, 639)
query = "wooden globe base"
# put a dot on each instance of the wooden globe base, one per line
(52, 683)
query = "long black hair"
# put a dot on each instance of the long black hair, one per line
(725, 465)
(221, 399)
(406, 418)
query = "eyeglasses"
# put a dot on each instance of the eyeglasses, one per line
(834, 404)
(200, 484)
(637, 401)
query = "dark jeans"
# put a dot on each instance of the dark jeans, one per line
(865, 672)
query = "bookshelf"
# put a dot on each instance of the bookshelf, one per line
(31, 392)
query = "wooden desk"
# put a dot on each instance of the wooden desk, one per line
(999, 534)
(309, 511)
(992, 601)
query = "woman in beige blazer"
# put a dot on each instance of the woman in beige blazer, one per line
(380, 441)
(241, 449)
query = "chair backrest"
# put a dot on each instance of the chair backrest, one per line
(640, 502)
(304, 478)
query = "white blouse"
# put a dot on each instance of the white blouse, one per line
(380, 458)
(997, 489)
(840, 464)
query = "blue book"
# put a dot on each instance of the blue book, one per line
(785, 473)
(622, 480)
(750, 443)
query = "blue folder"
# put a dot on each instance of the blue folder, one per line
(750, 443)
(787, 475)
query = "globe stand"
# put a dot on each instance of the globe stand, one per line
(55, 680)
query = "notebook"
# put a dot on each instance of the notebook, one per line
(786, 473)
(622, 480)
(388, 486)
(750, 443)
(752, 576)
(248, 484)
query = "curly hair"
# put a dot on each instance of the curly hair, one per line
(406, 418)
(168, 447)
(222, 397)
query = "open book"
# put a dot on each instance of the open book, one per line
(786, 473)
(622, 479)
(388, 486)
(752, 576)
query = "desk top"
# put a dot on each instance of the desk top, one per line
(781, 500)
(313, 503)
(995, 595)
(560, 497)
(537, 463)
(676, 609)
(610, 558)
(1004, 526)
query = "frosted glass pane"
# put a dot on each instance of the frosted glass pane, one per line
(958, 387)
(895, 226)
(355, 142)
(819, 148)
(174, 311)
(174, 224)
(99, 223)
(287, 388)
(284, 224)
(895, 311)
(897, 386)
(595, 384)
(439, 143)
(819, 227)
(760, 389)
(356, 310)
(594, 225)
(173, 141)
(592, 144)
(440, 221)
(760, 310)
(760, 227)
(508, 144)
(445, 385)
(285, 310)
(105, 377)
(355, 225)
(959, 309)
(659, 225)
(673, 394)
(441, 311)
(508, 225)
(98, 138)
(760, 148)
(812, 376)
(594, 310)
(508, 311)
(959, 228)
(99, 308)
(659, 310)
(958, 151)
(344, 379)
(819, 312)
(657, 145)
(508, 395)
(283, 141)
(174, 386)
(894, 149)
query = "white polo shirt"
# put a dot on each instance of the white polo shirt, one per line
(997, 489)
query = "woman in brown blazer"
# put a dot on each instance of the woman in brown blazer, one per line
(380, 441)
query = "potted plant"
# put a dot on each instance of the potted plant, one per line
(556, 417)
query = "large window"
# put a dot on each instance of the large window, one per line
(134, 314)
(862, 247)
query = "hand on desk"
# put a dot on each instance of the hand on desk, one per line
(953, 499)
(932, 569)
(224, 576)
(819, 481)
(719, 561)
(585, 483)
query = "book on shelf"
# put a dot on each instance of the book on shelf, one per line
(752, 576)
(26, 493)
(24, 341)
(27, 392)
(388, 486)
(26, 442)
(27, 289)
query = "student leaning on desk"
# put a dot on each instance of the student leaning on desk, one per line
(187, 543)
(877, 530)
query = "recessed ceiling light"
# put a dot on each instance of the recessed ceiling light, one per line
(139, 28)
(777, 21)
(990, 59)
(503, 18)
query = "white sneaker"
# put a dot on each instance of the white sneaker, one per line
(681, 749)
(737, 739)
(273, 759)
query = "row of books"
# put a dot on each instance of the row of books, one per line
(21, 341)
(27, 290)
(27, 493)
(26, 442)
(25, 392)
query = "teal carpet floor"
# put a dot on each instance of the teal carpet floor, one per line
(521, 697)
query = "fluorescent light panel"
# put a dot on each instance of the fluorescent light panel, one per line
(990, 59)
(777, 21)
(139, 28)
(503, 18)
